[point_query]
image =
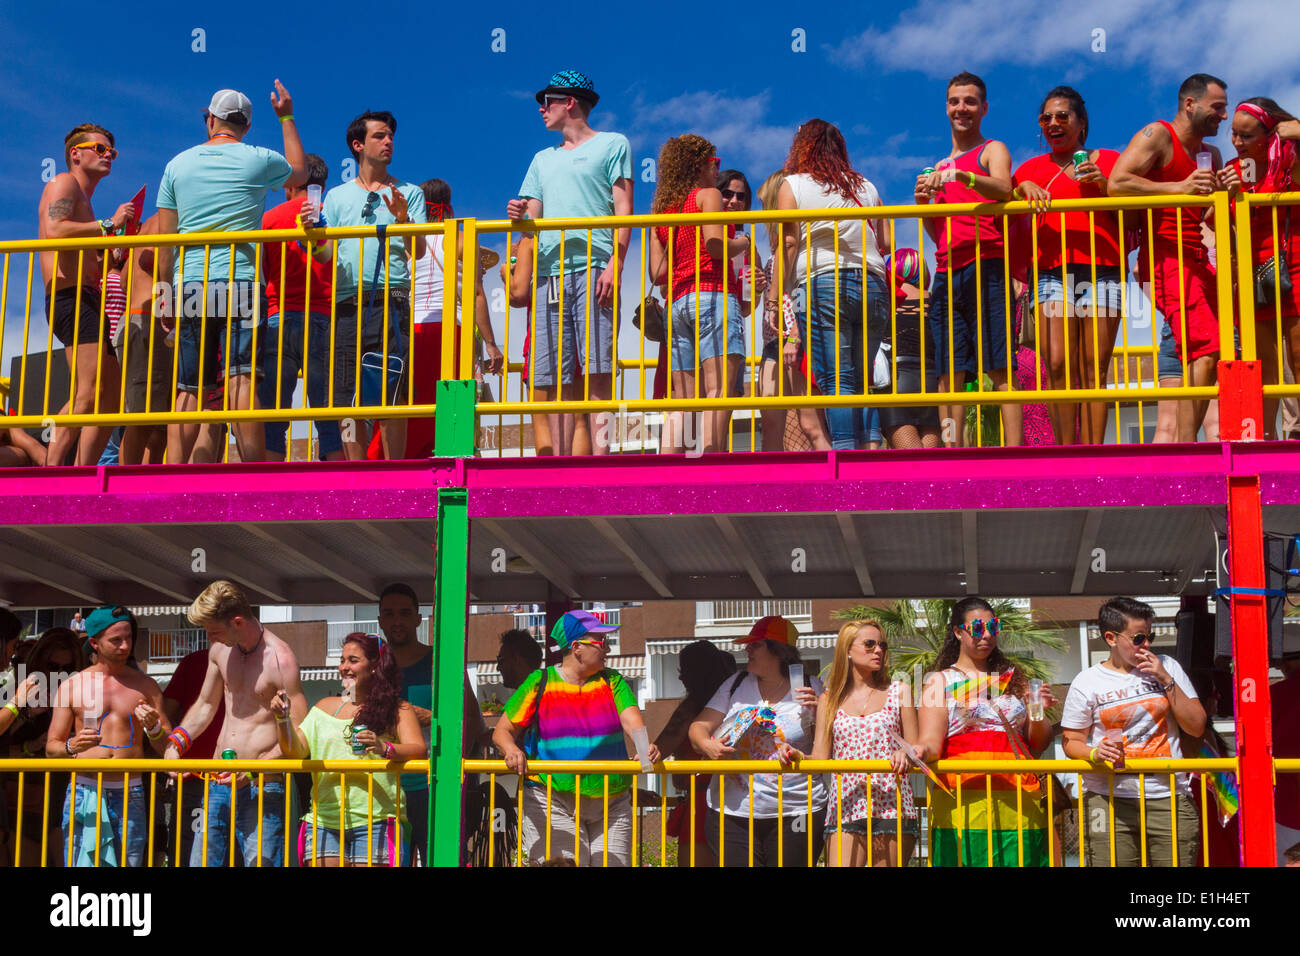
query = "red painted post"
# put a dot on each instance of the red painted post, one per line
(1241, 416)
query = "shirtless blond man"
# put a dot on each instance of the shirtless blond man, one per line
(107, 711)
(250, 667)
(72, 286)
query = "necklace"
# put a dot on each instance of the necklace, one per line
(260, 635)
(226, 136)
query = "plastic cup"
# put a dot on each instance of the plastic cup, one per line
(1116, 736)
(1204, 160)
(641, 740)
(312, 209)
(1035, 699)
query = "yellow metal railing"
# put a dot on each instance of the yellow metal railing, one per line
(1110, 379)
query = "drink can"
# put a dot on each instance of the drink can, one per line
(229, 755)
(1080, 158)
(927, 171)
(357, 746)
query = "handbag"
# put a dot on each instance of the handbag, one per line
(649, 318)
(1274, 276)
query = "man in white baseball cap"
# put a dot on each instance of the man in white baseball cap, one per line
(221, 186)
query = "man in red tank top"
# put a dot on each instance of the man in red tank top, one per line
(1161, 160)
(970, 280)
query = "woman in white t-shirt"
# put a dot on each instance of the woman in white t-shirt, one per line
(836, 265)
(766, 713)
(862, 715)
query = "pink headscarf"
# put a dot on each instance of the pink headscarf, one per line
(1281, 153)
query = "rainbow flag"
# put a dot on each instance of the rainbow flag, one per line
(1224, 786)
(966, 689)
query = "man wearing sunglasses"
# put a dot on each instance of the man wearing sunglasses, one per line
(578, 710)
(1133, 704)
(221, 186)
(588, 174)
(373, 289)
(72, 287)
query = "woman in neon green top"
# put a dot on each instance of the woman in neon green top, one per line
(374, 814)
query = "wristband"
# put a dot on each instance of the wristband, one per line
(285, 119)
(388, 750)
(155, 733)
(970, 180)
(181, 739)
(1166, 688)
(12, 707)
(67, 748)
(1092, 755)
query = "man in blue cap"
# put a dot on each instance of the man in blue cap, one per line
(587, 174)
(107, 711)
(577, 710)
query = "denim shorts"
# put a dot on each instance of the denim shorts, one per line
(205, 321)
(879, 826)
(1078, 282)
(590, 338)
(372, 344)
(290, 364)
(364, 845)
(719, 324)
(979, 320)
(1168, 365)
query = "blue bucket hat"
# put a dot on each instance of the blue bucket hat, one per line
(574, 625)
(570, 83)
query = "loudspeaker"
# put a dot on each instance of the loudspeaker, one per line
(1277, 551)
(32, 388)
(1196, 639)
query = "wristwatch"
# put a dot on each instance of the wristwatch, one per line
(105, 226)
(1166, 688)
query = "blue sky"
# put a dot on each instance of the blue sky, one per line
(466, 114)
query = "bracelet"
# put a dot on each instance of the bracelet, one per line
(12, 707)
(181, 738)
(155, 733)
(67, 748)
(389, 750)
(285, 119)
(970, 180)
(1166, 688)
(1092, 755)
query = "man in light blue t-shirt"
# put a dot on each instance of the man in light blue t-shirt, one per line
(216, 302)
(380, 285)
(588, 174)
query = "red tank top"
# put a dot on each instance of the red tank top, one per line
(683, 277)
(1166, 221)
(965, 228)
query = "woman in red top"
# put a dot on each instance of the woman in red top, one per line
(1265, 136)
(1077, 269)
(705, 318)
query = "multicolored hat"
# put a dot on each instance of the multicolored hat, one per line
(772, 628)
(570, 83)
(575, 624)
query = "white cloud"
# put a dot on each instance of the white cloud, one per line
(736, 125)
(1249, 43)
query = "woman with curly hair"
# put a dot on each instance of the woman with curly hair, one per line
(836, 273)
(974, 707)
(861, 715)
(369, 720)
(705, 321)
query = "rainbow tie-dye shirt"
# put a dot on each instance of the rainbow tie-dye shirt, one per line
(574, 723)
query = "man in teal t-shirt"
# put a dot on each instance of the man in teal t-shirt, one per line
(221, 186)
(376, 287)
(588, 174)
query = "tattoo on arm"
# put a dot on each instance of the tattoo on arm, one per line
(1148, 131)
(60, 209)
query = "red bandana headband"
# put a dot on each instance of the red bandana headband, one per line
(1250, 109)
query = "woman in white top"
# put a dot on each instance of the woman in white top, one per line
(834, 264)
(765, 713)
(862, 716)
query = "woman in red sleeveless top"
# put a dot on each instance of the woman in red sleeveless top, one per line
(705, 316)
(1077, 265)
(1268, 161)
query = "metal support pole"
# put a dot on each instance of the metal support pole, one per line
(453, 438)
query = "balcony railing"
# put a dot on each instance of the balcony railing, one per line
(336, 631)
(744, 612)
(172, 646)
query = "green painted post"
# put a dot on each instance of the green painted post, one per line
(453, 438)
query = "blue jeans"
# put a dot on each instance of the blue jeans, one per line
(847, 426)
(205, 318)
(217, 828)
(109, 818)
(316, 378)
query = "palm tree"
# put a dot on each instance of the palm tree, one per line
(917, 631)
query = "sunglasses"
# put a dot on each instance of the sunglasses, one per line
(372, 203)
(599, 645)
(715, 162)
(99, 148)
(1138, 639)
(871, 644)
(979, 627)
(550, 100)
(1061, 116)
(734, 194)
